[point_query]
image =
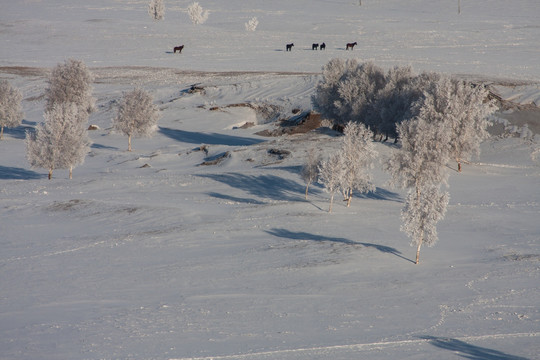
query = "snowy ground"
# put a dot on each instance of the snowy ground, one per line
(149, 255)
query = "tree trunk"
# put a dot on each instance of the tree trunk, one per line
(50, 174)
(307, 187)
(418, 251)
(1, 133)
(331, 202)
(459, 7)
(349, 198)
(129, 142)
(71, 172)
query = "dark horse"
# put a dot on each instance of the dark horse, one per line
(323, 46)
(288, 47)
(350, 46)
(178, 48)
(314, 46)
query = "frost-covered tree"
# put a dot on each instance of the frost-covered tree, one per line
(357, 153)
(465, 110)
(252, 24)
(156, 9)
(424, 208)
(420, 166)
(347, 90)
(330, 175)
(70, 82)
(137, 115)
(11, 113)
(61, 141)
(197, 14)
(310, 171)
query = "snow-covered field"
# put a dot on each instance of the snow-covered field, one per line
(150, 255)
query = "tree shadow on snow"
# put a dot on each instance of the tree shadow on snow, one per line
(13, 173)
(263, 186)
(287, 234)
(19, 132)
(207, 138)
(235, 199)
(380, 194)
(469, 351)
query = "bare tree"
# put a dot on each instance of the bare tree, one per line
(137, 115)
(252, 24)
(309, 170)
(70, 82)
(156, 9)
(11, 113)
(61, 141)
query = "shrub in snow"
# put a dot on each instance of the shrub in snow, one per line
(156, 9)
(70, 83)
(309, 170)
(137, 115)
(196, 13)
(61, 141)
(11, 113)
(252, 24)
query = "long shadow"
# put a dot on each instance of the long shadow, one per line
(13, 173)
(264, 186)
(469, 351)
(19, 132)
(235, 199)
(380, 194)
(207, 138)
(287, 234)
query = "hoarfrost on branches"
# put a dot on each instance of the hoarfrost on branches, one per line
(70, 82)
(309, 170)
(11, 113)
(252, 24)
(358, 153)
(330, 175)
(137, 115)
(156, 9)
(61, 141)
(197, 14)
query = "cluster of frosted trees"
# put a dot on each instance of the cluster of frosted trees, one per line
(11, 113)
(436, 118)
(62, 141)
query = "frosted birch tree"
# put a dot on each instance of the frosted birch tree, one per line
(330, 175)
(358, 154)
(61, 141)
(156, 9)
(70, 82)
(465, 110)
(310, 171)
(197, 14)
(252, 24)
(11, 113)
(420, 166)
(137, 115)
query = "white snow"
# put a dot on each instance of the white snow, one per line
(174, 260)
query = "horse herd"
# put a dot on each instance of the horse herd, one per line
(288, 47)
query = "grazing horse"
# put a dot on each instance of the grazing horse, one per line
(288, 47)
(315, 47)
(350, 46)
(178, 48)
(323, 46)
